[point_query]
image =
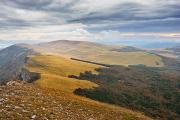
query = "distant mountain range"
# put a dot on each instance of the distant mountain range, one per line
(172, 52)
(159, 45)
(15, 55)
(145, 44)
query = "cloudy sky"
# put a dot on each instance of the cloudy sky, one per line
(94, 20)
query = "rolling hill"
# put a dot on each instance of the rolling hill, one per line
(14, 57)
(100, 53)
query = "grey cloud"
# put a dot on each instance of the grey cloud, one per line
(56, 9)
(162, 15)
(13, 24)
(27, 4)
(42, 5)
(132, 11)
(158, 25)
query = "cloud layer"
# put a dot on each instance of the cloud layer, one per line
(87, 19)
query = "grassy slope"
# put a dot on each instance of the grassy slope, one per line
(54, 71)
(128, 58)
(99, 53)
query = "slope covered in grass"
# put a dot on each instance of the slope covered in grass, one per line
(127, 58)
(107, 54)
(55, 70)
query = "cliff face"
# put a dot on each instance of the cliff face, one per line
(12, 61)
(28, 76)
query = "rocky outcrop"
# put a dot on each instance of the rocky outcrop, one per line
(12, 60)
(28, 76)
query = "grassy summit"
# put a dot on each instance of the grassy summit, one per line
(107, 54)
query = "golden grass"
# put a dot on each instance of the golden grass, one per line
(55, 70)
(101, 53)
(128, 58)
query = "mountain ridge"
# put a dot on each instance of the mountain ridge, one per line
(14, 58)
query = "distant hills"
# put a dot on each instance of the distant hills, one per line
(175, 50)
(160, 45)
(106, 54)
(145, 43)
(13, 58)
(172, 52)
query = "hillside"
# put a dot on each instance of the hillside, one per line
(19, 100)
(155, 91)
(55, 71)
(106, 54)
(13, 58)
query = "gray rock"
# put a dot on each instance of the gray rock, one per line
(28, 76)
(12, 60)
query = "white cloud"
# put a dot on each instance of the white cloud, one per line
(51, 32)
(79, 32)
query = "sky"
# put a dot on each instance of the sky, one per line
(107, 21)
